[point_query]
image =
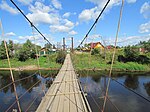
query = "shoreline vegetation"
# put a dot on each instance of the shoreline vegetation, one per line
(134, 58)
(45, 62)
(81, 61)
(85, 61)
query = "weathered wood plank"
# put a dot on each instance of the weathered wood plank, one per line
(64, 95)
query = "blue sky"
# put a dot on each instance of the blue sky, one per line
(73, 18)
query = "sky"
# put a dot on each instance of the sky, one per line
(73, 18)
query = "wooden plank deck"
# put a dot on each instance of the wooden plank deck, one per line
(65, 94)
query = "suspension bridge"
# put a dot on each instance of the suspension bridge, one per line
(65, 94)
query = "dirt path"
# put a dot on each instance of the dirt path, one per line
(30, 67)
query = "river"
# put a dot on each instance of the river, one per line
(92, 82)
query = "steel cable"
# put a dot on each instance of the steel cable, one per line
(94, 23)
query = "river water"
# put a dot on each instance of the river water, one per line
(122, 98)
(92, 82)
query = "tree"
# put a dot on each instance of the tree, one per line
(48, 46)
(2, 51)
(27, 51)
(147, 46)
(60, 57)
(11, 48)
(22, 55)
(131, 53)
(95, 51)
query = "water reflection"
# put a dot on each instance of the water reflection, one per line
(131, 82)
(7, 94)
(147, 87)
(119, 95)
(95, 84)
(96, 78)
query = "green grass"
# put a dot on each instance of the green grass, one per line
(87, 61)
(131, 66)
(45, 62)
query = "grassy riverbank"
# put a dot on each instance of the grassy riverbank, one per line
(86, 61)
(45, 62)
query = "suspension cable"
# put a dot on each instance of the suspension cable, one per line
(110, 73)
(32, 102)
(30, 22)
(94, 100)
(37, 59)
(71, 101)
(107, 99)
(94, 23)
(10, 68)
(22, 96)
(18, 81)
(87, 70)
(131, 90)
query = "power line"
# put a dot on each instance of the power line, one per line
(94, 23)
(32, 25)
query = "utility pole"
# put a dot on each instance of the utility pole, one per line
(63, 43)
(72, 44)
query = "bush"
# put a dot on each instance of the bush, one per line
(95, 51)
(22, 55)
(131, 53)
(61, 57)
(143, 59)
(121, 58)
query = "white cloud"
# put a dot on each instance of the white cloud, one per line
(95, 36)
(40, 7)
(100, 3)
(73, 32)
(6, 7)
(145, 28)
(130, 40)
(59, 28)
(37, 39)
(77, 23)
(10, 34)
(131, 1)
(41, 17)
(42, 14)
(91, 14)
(67, 14)
(145, 10)
(87, 14)
(28, 37)
(56, 4)
(65, 26)
(68, 23)
(25, 2)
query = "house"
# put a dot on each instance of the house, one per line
(109, 47)
(45, 51)
(142, 50)
(90, 46)
(96, 45)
